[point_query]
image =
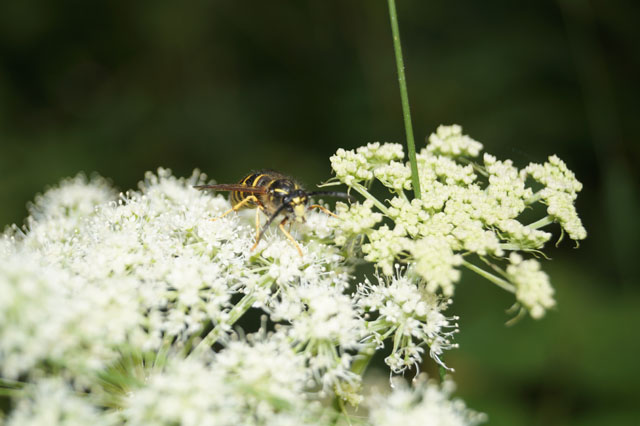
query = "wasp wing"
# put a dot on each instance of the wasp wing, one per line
(234, 187)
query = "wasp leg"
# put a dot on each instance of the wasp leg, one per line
(238, 206)
(319, 207)
(284, 231)
(260, 208)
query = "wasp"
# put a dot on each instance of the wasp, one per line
(274, 194)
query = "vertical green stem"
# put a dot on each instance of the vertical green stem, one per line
(411, 146)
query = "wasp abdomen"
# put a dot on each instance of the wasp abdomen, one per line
(253, 180)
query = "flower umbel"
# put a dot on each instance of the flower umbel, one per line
(410, 314)
(468, 211)
(126, 308)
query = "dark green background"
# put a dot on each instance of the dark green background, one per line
(123, 87)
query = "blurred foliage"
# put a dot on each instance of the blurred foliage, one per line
(119, 88)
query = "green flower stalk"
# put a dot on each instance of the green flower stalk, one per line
(404, 97)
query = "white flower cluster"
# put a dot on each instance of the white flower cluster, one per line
(394, 175)
(465, 209)
(121, 298)
(358, 166)
(411, 315)
(426, 403)
(137, 270)
(53, 402)
(560, 191)
(533, 289)
(383, 247)
(437, 263)
(449, 140)
(326, 325)
(250, 382)
(48, 314)
(355, 219)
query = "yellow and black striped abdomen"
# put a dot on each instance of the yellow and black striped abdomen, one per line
(254, 180)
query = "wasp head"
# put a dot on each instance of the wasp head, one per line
(296, 203)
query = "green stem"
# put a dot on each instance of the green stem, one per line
(540, 223)
(363, 191)
(478, 168)
(510, 246)
(234, 315)
(365, 354)
(534, 198)
(368, 349)
(11, 388)
(405, 98)
(13, 393)
(13, 384)
(489, 276)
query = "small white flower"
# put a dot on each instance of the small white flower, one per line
(353, 220)
(260, 380)
(317, 226)
(449, 141)
(506, 192)
(73, 197)
(52, 402)
(188, 393)
(561, 207)
(555, 175)
(560, 192)
(436, 263)
(443, 169)
(351, 167)
(395, 176)
(533, 289)
(377, 153)
(29, 295)
(383, 247)
(267, 364)
(407, 215)
(286, 265)
(522, 236)
(466, 211)
(357, 166)
(333, 373)
(328, 315)
(434, 194)
(425, 403)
